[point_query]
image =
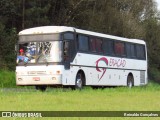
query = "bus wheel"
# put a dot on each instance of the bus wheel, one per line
(41, 88)
(130, 81)
(79, 82)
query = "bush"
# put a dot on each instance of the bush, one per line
(154, 74)
(7, 79)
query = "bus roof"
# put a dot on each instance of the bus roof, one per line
(58, 29)
(109, 36)
(46, 30)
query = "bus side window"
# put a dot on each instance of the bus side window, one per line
(68, 36)
(133, 51)
(93, 44)
(96, 45)
(83, 43)
(140, 52)
(128, 50)
(111, 47)
(119, 49)
(99, 48)
(108, 47)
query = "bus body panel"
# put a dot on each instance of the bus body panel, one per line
(114, 72)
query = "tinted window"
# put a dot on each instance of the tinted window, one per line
(128, 50)
(68, 36)
(83, 43)
(140, 51)
(119, 48)
(93, 44)
(108, 47)
(99, 45)
(96, 44)
(133, 53)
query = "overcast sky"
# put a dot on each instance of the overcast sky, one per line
(158, 1)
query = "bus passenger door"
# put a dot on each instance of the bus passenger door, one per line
(66, 55)
(69, 53)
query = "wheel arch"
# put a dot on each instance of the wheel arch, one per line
(130, 74)
(83, 76)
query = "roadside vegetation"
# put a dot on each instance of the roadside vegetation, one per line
(65, 99)
(16, 98)
(142, 98)
(7, 79)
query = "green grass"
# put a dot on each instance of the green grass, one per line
(145, 98)
(13, 98)
(111, 99)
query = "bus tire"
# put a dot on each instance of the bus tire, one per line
(79, 82)
(41, 88)
(130, 81)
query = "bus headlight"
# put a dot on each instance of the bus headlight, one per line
(56, 77)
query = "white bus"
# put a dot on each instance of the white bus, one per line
(66, 56)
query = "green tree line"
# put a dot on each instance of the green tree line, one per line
(137, 19)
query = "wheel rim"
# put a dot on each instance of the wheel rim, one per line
(130, 84)
(79, 83)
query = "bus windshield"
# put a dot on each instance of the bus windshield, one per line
(39, 52)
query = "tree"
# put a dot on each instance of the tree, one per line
(125, 18)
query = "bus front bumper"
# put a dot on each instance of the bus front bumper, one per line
(39, 80)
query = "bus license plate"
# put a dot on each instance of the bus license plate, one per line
(36, 78)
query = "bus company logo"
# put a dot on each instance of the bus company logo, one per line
(103, 70)
(115, 63)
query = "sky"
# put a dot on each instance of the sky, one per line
(158, 1)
